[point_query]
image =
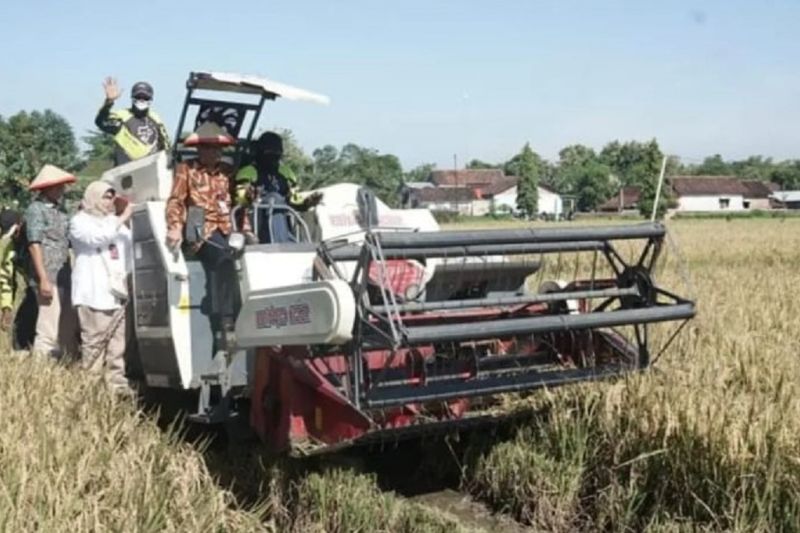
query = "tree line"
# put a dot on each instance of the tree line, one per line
(30, 139)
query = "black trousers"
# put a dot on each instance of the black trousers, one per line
(223, 300)
(25, 321)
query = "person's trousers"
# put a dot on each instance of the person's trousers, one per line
(56, 326)
(222, 287)
(25, 320)
(103, 345)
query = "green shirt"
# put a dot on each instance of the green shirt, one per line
(46, 223)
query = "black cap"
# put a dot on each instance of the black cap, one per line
(142, 89)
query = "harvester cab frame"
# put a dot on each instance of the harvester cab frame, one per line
(375, 324)
(209, 98)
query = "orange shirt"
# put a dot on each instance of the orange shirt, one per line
(196, 185)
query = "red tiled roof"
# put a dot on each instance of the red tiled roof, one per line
(501, 185)
(467, 177)
(707, 185)
(445, 194)
(759, 189)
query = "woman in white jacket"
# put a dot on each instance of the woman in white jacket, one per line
(101, 241)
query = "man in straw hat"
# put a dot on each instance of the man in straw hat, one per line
(46, 228)
(205, 183)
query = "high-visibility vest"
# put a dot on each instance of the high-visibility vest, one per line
(129, 142)
(249, 175)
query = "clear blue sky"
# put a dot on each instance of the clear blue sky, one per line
(425, 79)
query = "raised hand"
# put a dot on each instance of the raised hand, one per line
(111, 88)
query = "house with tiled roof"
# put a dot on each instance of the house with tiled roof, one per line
(759, 193)
(720, 193)
(468, 177)
(475, 192)
(494, 191)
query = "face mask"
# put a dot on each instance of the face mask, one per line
(141, 105)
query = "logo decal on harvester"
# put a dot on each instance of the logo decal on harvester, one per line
(279, 317)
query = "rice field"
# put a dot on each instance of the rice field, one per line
(708, 441)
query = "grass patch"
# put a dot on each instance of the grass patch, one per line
(72, 458)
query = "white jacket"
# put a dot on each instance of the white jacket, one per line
(92, 239)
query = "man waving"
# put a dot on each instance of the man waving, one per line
(138, 131)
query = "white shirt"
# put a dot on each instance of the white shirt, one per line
(92, 240)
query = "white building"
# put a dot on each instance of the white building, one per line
(492, 191)
(709, 193)
(549, 202)
(452, 199)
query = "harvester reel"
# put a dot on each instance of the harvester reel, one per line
(637, 277)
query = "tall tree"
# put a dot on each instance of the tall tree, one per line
(380, 172)
(515, 165)
(787, 174)
(713, 166)
(576, 155)
(648, 197)
(754, 167)
(581, 173)
(100, 146)
(327, 166)
(99, 156)
(27, 142)
(632, 163)
(477, 164)
(419, 173)
(295, 158)
(525, 166)
(570, 160)
(589, 183)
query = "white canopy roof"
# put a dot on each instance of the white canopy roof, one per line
(242, 83)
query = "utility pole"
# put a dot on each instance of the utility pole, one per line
(658, 189)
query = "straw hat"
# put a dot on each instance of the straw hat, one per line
(209, 133)
(50, 175)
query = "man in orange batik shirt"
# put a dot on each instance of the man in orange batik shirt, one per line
(205, 183)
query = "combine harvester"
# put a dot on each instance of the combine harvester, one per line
(371, 323)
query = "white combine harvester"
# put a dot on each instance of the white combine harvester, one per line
(370, 323)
